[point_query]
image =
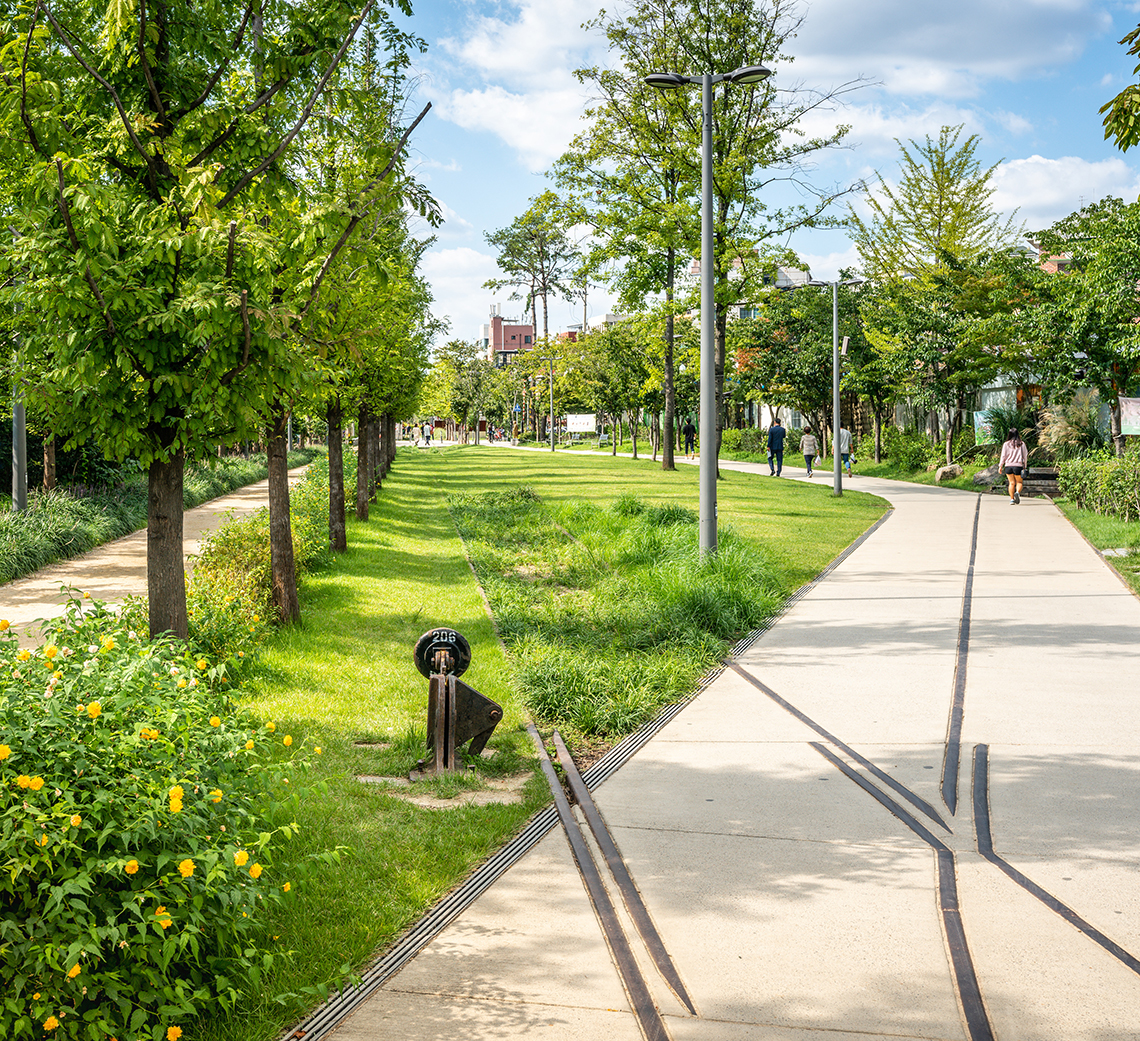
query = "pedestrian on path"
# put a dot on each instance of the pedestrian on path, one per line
(776, 434)
(810, 448)
(1014, 456)
(690, 433)
(845, 448)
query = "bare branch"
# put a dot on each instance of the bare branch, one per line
(304, 118)
(213, 81)
(245, 326)
(66, 212)
(151, 86)
(107, 86)
(363, 212)
(24, 84)
(230, 251)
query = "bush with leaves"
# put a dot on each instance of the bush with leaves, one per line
(1105, 484)
(142, 816)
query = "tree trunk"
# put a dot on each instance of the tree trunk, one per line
(165, 573)
(49, 463)
(669, 420)
(338, 538)
(633, 430)
(655, 434)
(280, 528)
(878, 435)
(362, 462)
(615, 429)
(1114, 427)
(374, 474)
(949, 436)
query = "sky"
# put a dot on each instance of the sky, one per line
(1026, 76)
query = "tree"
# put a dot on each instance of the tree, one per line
(1120, 114)
(148, 149)
(1092, 309)
(535, 254)
(941, 209)
(651, 139)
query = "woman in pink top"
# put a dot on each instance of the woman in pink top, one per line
(1014, 456)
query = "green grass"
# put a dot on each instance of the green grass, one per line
(345, 678)
(1109, 533)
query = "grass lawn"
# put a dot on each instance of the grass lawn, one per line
(345, 681)
(1109, 533)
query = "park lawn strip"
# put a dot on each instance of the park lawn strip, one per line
(345, 679)
(1109, 533)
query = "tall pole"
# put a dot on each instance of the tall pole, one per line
(707, 477)
(837, 484)
(552, 404)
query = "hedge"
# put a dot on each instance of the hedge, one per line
(1107, 485)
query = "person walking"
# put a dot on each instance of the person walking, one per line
(845, 448)
(690, 433)
(776, 434)
(1014, 457)
(810, 448)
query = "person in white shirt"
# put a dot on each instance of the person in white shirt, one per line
(1014, 457)
(845, 448)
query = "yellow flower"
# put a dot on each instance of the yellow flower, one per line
(80, 709)
(36, 783)
(216, 795)
(286, 887)
(215, 722)
(4, 623)
(131, 867)
(175, 805)
(51, 1023)
(36, 996)
(58, 674)
(43, 839)
(24, 655)
(109, 643)
(149, 733)
(201, 663)
(256, 619)
(240, 857)
(181, 684)
(176, 792)
(164, 919)
(173, 1033)
(94, 709)
(255, 871)
(318, 750)
(249, 746)
(288, 740)
(73, 971)
(186, 868)
(5, 751)
(271, 727)
(23, 780)
(50, 651)
(76, 820)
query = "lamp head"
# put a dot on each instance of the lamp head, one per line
(748, 74)
(666, 80)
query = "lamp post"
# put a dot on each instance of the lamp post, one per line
(707, 422)
(837, 465)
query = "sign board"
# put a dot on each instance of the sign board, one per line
(581, 422)
(1130, 415)
(983, 429)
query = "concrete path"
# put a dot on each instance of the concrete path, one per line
(117, 569)
(830, 851)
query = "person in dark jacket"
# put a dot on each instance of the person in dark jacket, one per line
(776, 434)
(690, 433)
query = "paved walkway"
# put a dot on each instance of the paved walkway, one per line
(117, 569)
(829, 850)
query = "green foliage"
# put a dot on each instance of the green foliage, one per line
(909, 450)
(1071, 427)
(609, 613)
(730, 440)
(141, 817)
(1120, 114)
(1104, 485)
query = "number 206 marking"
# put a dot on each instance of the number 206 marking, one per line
(443, 636)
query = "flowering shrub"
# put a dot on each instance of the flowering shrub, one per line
(1104, 484)
(141, 815)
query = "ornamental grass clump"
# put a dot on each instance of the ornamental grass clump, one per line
(143, 817)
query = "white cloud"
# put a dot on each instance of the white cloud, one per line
(828, 265)
(456, 277)
(943, 49)
(1045, 190)
(875, 127)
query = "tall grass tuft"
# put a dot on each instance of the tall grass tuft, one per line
(609, 613)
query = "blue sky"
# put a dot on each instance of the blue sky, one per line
(1026, 75)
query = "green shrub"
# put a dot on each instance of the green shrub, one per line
(1103, 484)
(909, 450)
(142, 814)
(730, 440)
(792, 439)
(754, 441)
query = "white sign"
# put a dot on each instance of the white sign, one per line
(1130, 415)
(581, 422)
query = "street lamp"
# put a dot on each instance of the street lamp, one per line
(837, 479)
(707, 478)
